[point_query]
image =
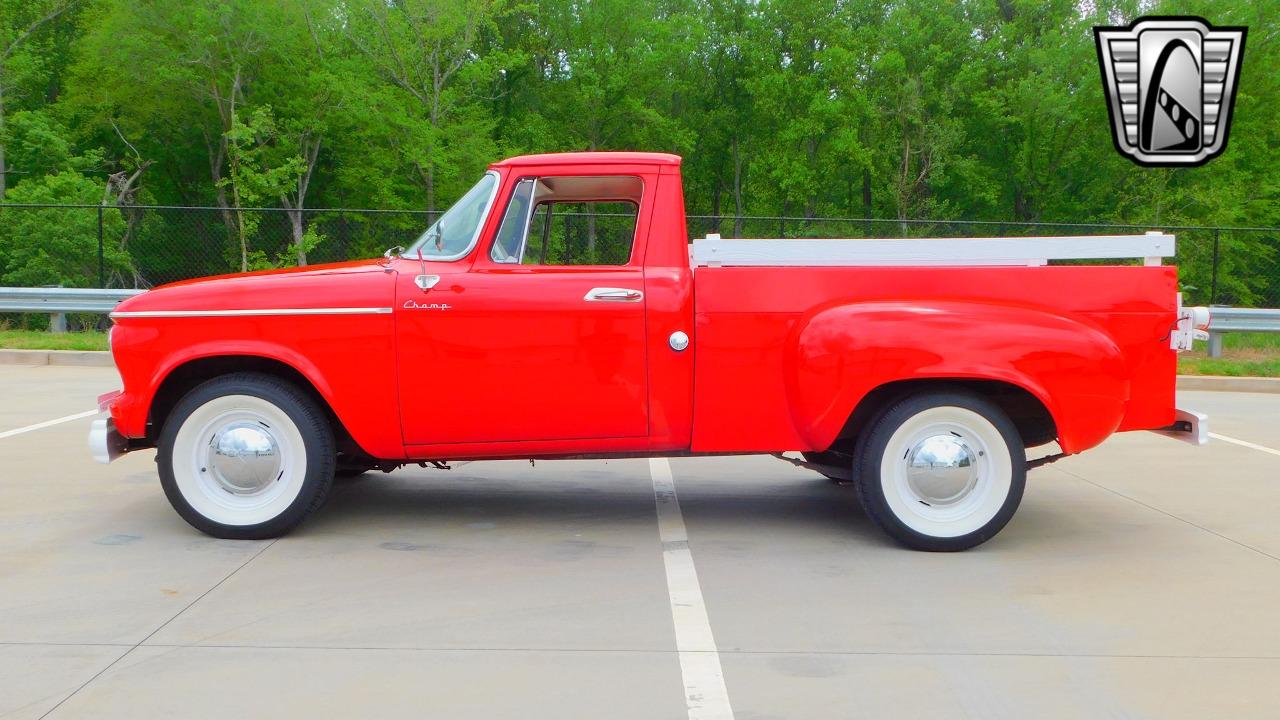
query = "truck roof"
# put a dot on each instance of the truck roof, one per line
(591, 158)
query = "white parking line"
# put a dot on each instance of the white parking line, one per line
(705, 694)
(46, 423)
(1244, 443)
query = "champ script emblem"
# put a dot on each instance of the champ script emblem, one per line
(1170, 84)
(412, 304)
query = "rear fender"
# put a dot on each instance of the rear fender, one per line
(841, 353)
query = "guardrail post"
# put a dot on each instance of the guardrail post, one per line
(57, 322)
(1215, 344)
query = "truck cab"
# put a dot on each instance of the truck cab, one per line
(546, 300)
(558, 310)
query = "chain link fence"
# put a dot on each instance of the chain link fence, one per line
(1237, 266)
(144, 246)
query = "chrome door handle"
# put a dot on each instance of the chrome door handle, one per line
(610, 294)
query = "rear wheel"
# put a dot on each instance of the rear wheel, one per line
(246, 456)
(941, 471)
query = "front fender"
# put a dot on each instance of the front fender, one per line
(145, 364)
(250, 348)
(354, 378)
(839, 354)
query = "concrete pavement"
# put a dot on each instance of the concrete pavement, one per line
(1138, 580)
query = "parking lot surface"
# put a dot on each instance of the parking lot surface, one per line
(1139, 580)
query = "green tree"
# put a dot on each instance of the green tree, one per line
(259, 169)
(56, 246)
(430, 113)
(25, 58)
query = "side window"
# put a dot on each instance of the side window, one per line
(569, 221)
(581, 233)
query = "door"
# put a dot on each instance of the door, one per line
(533, 343)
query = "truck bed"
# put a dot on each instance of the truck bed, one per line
(1093, 338)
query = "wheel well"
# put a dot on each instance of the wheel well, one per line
(184, 378)
(1034, 422)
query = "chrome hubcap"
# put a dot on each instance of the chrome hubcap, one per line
(244, 458)
(941, 470)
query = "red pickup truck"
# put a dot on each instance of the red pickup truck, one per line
(558, 310)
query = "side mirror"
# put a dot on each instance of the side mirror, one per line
(438, 236)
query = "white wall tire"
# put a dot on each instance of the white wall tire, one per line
(941, 471)
(246, 456)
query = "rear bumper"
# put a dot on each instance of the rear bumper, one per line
(105, 442)
(1190, 426)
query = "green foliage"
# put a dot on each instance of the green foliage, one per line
(48, 246)
(38, 144)
(261, 170)
(51, 247)
(956, 109)
(262, 260)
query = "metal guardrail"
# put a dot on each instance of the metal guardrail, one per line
(59, 301)
(1228, 319)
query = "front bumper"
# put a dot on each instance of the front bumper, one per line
(1190, 426)
(105, 441)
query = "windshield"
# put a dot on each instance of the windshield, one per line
(452, 236)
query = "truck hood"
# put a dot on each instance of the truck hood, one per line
(314, 286)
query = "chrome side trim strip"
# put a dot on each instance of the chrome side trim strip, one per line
(249, 313)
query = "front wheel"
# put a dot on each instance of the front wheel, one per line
(246, 457)
(941, 471)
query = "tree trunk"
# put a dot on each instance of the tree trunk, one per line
(216, 158)
(3, 169)
(811, 203)
(295, 207)
(737, 189)
(866, 202)
(714, 225)
(295, 224)
(431, 186)
(1021, 205)
(591, 237)
(903, 188)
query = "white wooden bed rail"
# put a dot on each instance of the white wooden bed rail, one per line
(714, 251)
